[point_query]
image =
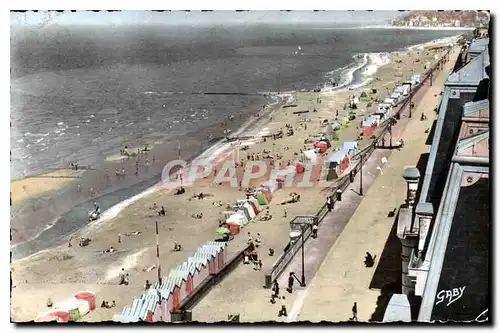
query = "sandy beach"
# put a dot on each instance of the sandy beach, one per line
(25, 188)
(59, 272)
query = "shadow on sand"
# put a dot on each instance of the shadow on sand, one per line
(387, 276)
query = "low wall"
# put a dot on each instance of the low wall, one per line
(286, 257)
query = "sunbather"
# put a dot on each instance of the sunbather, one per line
(177, 247)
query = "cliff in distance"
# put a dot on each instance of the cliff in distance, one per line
(443, 18)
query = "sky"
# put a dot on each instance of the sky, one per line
(198, 18)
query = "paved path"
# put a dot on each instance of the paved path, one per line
(342, 276)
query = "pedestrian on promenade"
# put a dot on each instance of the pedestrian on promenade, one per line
(339, 194)
(329, 203)
(258, 240)
(315, 230)
(284, 213)
(351, 176)
(282, 311)
(290, 283)
(355, 312)
(276, 288)
(383, 141)
(250, 238)
(119, 238)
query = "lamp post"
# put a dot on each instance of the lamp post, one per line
(361, 175)
(303, 279)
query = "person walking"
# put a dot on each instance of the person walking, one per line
(290, 283)
(355, 312)
(329, 203)
(276, 288)
(339, 194)
(315, 230)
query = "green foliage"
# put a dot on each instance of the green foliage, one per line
(373, 136)
(335, 136)
(363, 95)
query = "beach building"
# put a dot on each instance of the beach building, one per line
(444, 226)
(158, 302)
(369, 125)
(336, 163)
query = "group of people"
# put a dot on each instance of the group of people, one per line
(123, 278)
(276, 294)
(106, 305)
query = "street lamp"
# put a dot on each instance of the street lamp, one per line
(303, 280)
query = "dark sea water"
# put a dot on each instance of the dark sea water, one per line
(80, 94)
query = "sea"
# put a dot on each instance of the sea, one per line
(79, 94)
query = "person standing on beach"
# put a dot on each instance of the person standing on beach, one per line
(119, 238)
(122, 276)
(284, 213)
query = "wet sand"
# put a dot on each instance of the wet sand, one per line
(26, 188)
(35, 279)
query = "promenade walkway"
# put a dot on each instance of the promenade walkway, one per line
(342, 278)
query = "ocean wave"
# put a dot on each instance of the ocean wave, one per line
(46, 227)
(347, 75)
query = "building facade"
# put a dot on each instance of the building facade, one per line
(444, 226)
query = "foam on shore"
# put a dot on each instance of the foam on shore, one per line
(368, 62)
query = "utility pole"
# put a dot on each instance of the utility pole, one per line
(410, 98)
(158, 254)
(179, 157)
(361, 175)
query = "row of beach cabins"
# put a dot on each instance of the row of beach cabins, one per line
(339, 160)
(157, 303)
(384, 110)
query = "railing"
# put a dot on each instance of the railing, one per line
(282, 262)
